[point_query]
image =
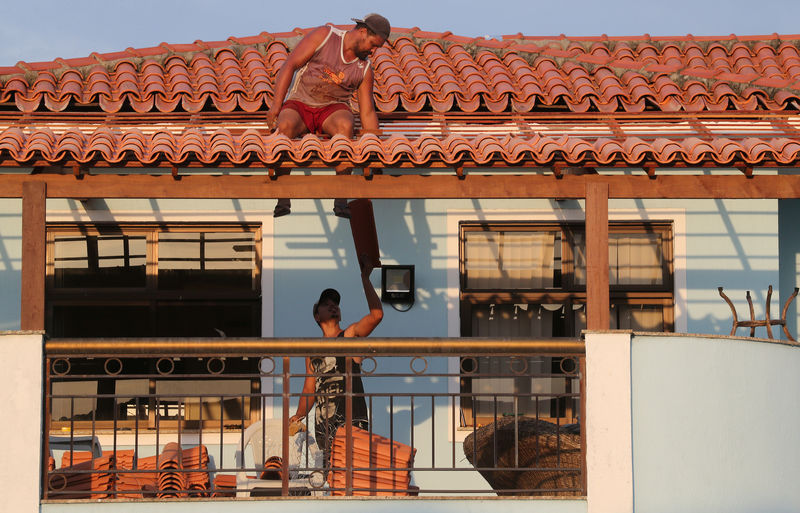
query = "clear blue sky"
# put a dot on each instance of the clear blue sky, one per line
(37, 30)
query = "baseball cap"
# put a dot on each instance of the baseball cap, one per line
(331, 294)
(376, 23)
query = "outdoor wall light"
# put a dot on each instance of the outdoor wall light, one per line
(397, 286)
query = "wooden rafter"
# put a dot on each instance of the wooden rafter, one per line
(405, 186)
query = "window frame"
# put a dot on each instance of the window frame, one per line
(569, 293)
(150, 296)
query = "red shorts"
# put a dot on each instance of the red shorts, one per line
(313, 117)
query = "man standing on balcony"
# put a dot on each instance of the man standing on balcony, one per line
(325, 381)
(329, 65)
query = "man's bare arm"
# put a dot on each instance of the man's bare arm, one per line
(307, 399)
(366, 103)
(297, 58)
(370, 321)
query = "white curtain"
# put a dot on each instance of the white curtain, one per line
(530, 321)
(509, 260)
(638, 318)
(633, 259)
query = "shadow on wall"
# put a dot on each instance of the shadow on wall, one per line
(314, 250)
(10, 304)
(10, 271)
(789, 243)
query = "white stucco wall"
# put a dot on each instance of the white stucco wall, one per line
(20, 430)
(608, 423)
(715, 425)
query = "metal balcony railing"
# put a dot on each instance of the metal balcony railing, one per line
(181, 418)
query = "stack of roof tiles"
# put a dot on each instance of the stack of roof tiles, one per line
(170, 478)
(196, 458)
(164, 475)
(140, 483)
(123, 459)
(224, 485)
(381, 466)
(90, 478)
(273, 469)
(173, 481)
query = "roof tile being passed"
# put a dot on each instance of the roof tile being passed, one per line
(433, 71)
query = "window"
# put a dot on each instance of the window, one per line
(153, 280)
(140, 281)
(529, 280)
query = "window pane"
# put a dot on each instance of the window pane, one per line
(100, 260)
(202, 259)
(133, 402)
(208, 319)
(101, 321)
(226, 399)
(633, 259)
(75, 406)
(528, 384)
(637, 317)
(509, 260)
(524, 388)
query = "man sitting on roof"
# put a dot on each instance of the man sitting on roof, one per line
(330, 64)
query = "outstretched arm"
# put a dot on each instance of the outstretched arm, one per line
(297, 58)
(366, 103)
(370, 321)
(307, 399)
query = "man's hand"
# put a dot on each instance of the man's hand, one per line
(272, 119)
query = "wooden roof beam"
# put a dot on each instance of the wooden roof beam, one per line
(406, 186)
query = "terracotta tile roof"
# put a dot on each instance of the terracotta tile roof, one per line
(431, 71)
(632, 140)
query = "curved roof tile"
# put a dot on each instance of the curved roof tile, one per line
(437, 71)
(116, 145)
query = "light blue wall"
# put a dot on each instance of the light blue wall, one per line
(729, 243)
(732, 243)
(789, 223)
(10, 263)
(715, 425)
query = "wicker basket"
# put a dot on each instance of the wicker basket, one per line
(544, 449)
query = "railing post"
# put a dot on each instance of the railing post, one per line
(348, 409)
(582, 370)
(285, 431)
(45, 475)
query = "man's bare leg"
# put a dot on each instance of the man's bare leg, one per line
(291, 125)
(340, 122)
